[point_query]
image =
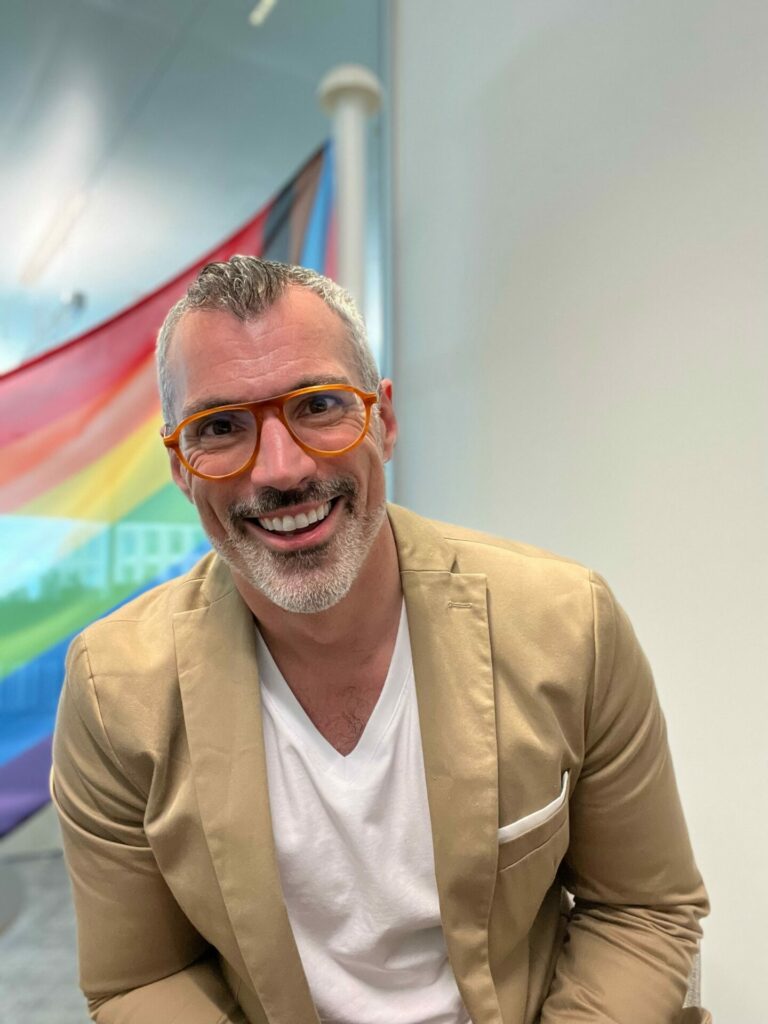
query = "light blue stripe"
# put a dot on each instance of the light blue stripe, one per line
(316, 237)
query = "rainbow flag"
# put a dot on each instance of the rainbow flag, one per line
(88, 515)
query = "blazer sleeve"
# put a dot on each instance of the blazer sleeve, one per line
(638, 894)
(141, 960)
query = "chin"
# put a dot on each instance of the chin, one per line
(309, 581)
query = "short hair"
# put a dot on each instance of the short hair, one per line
(246, 287)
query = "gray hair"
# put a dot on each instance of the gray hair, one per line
(246, 287)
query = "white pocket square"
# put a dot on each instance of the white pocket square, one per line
(525, 824)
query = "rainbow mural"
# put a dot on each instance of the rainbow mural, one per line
(88, 515)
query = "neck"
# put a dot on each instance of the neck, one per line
(369, 612)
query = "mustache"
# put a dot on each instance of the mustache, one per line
(270, 499)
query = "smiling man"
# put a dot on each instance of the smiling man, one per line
(358, 767)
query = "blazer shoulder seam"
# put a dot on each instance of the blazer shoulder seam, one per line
(102, 723)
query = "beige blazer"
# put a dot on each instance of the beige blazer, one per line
(547, 769)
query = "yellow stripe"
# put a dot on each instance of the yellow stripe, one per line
(112, 485)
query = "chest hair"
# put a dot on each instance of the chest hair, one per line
(339, 699)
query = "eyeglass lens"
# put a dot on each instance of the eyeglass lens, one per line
(224, 441)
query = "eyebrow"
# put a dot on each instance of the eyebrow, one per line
(214, 401)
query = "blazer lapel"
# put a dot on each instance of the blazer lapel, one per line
(448, 624)
(222, 711)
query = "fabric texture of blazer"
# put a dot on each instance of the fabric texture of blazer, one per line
(568, 890)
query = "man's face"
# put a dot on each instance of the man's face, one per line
(217, 360)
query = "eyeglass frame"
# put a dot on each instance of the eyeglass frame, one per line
(277, 402)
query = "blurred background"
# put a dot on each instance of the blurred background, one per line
(564, 256)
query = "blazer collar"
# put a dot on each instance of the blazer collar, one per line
(448, 624)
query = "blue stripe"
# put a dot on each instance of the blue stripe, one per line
(30, 694)
(315, 238)
(19, 732)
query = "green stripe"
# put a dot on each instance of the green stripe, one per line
(168, 505)
(32, 625)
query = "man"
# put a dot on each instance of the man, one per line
(350, 767)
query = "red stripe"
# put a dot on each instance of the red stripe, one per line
(53, 385)
(23, 454)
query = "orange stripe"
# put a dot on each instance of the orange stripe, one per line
(22, 455)
(112, 485)
(53, 454)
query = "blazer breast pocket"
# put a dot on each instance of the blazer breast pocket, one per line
(522, 837)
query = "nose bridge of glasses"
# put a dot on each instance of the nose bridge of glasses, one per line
(285, 434)
(277, 407)
(279, 458)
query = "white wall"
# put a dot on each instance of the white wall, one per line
(580, 257)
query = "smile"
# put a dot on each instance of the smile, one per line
(289, 524)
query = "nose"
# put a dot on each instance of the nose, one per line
(281, 463)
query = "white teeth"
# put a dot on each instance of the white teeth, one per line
(286, 524)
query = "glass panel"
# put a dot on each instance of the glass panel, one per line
(326, 420)
(219, 442)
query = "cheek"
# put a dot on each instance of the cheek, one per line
(377, 433)
(374, 480)
(211, 508)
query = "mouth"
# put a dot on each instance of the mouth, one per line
(305, 525)
(300, 522)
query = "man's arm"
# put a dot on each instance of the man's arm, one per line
(141, 961)
(638, 894)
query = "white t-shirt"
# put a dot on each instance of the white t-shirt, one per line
(355, 854)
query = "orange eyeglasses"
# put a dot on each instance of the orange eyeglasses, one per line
(325, 420)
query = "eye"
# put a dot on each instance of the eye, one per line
(219, 425)
(323, 403)
(216, 426)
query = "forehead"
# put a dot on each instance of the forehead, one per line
(213, 354)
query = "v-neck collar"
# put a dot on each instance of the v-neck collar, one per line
(281, 701)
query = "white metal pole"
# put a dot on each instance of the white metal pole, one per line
(350, 93)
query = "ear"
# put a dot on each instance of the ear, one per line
(388, 419)
(180, 475)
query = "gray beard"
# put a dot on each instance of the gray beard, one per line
(306, 581)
